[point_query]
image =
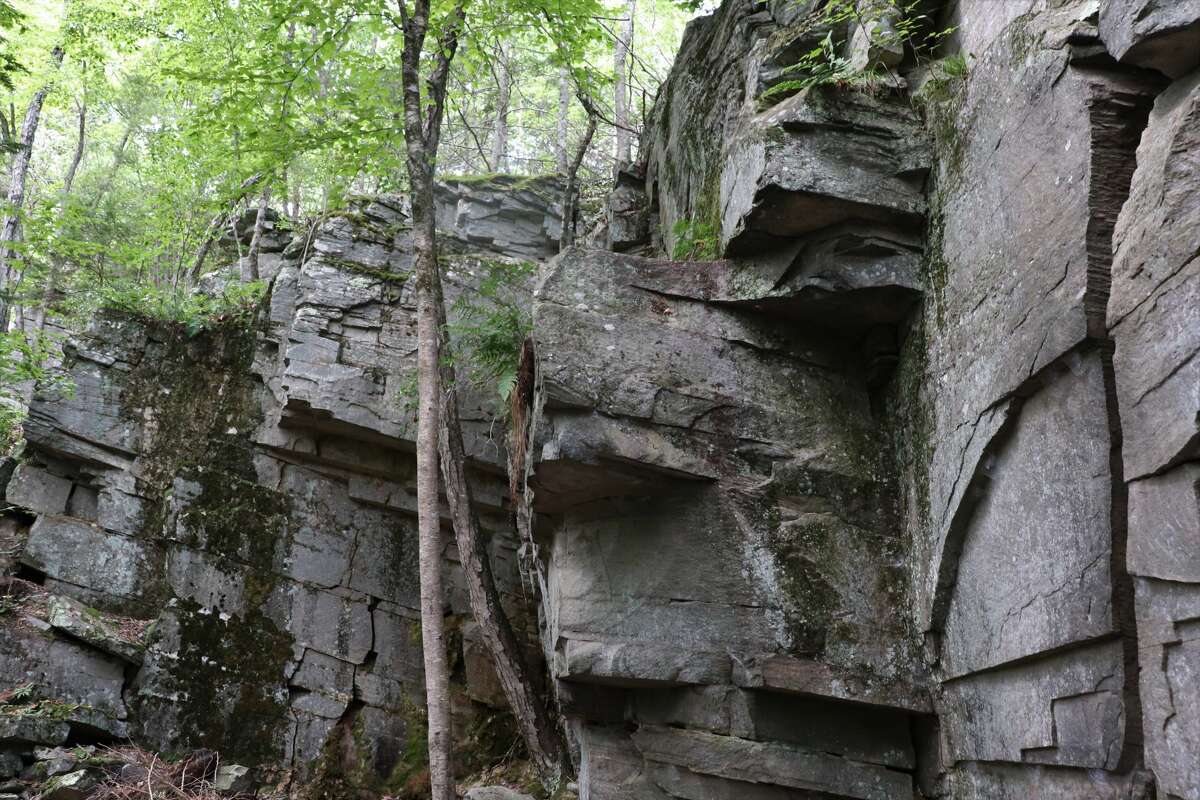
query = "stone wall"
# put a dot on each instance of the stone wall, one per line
(247, 493)
(896, 496)
(964, 304)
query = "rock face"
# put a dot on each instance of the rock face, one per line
(895, 495)
(249, 492)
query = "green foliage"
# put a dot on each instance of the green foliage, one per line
(26, 360)
(10, 18)
(695, 241)
(826, 65)
(492, 324)
(234, 304)
(953, 67)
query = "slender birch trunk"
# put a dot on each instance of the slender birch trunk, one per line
(622, 46)
(561, 158)
(500, 121)
(250, 265)
(10, 228)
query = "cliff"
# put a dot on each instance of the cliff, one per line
(885, 487)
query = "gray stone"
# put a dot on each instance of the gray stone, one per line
(861, 157)
(121, 568)
(38, 490)
(1154, 310)
(1169, 656)
(515, 215)
(64, 671)
(11, 764)
(640, 664)
(771, 763)
(1162, 36)
(72, 786)
(627, 213)
(93, 627)
(233, 778)
(611, 767)
(1164, 525)
(494, 793)
(1049, 494)
(1028, 286)
(807, 677)
(1062, 709)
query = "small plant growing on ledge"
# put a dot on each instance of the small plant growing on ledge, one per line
(888, 25)
(234, 304)
(492, 325)
(695, 241)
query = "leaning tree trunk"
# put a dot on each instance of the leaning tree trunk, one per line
(422, 132)
(250, 265)
(436, 384)
(10, 229)
(543, 738)
(567, 236)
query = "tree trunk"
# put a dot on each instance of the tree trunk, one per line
(56, 262)
(567, 237)
(500, 122)
(564, 111)
(544, 740)
(118, 158)
(422, 133)
(250, 265)
(10, 229)
(621, 50)
(433, 631)
(216, 224)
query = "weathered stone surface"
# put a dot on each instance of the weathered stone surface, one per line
(755, 762)
(611, 767)
(802, 676)
(124, 571)
(1049, 494)
(65, 671)
(859, 157)
(233, 778)
(1154, 311)
(32, 730)
(1164, 525)
(1063, 709)
(1042, 151)
(37, 490)
(1008, 782)
(1148, 33)
(1169, 656)
(72, 786)
(622, 664)
(627, 214)
(494, 793)
(88, 625)
(511, 214)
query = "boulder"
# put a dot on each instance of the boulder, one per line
(72, 786)
(494, 793)
(96, 629)
(233, 778)
(1147, 33)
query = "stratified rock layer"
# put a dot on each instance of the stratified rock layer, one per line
(895, 496)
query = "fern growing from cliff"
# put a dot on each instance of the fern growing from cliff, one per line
(491, 325)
